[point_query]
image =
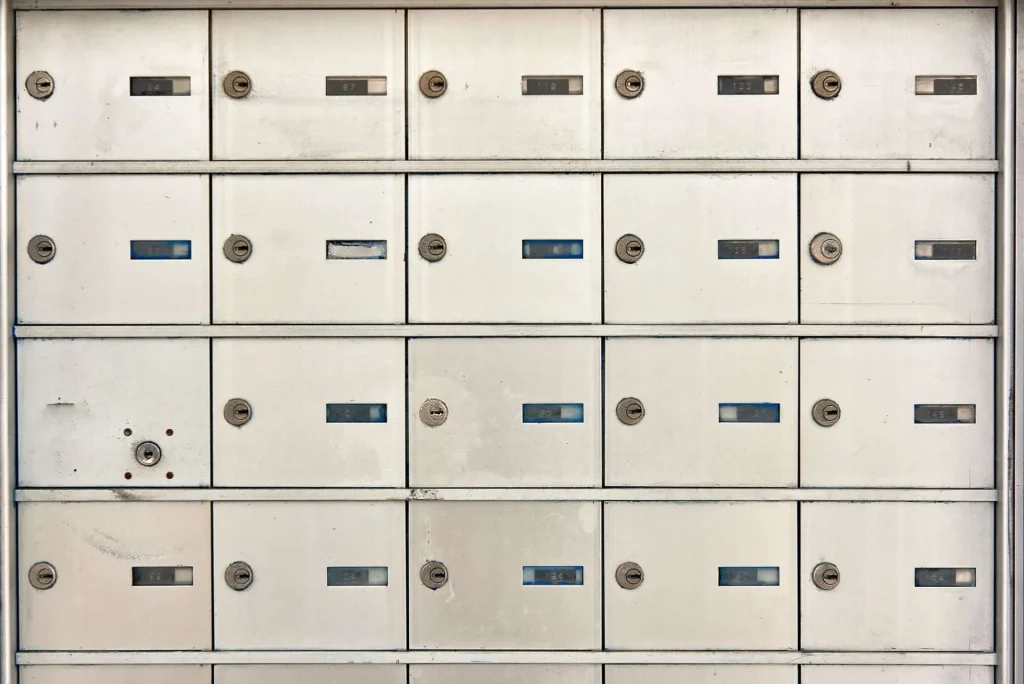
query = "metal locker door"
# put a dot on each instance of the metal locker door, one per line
(113, 413)
(897, 248)
(505, 412)
(113, 249)
(897, 413)
(727, 255)
(504, 674)
(712, 83)
(504, 575)
(143, 566)
(728, 567)
(309, 674)
(505, 249)
(897, 84)
(529, 90)
(321, 412)
(112, 86)
(897, 576)
(309, 575)
(115, 674)
(896, 674)
(309, 249)
(701, 412)
(308, 84)
(700, 674)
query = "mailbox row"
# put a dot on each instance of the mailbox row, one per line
(507, 674)
(506, 575)
(506, 412)
(664, 248)
(512, 84)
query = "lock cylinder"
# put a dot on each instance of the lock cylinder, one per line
(237, 84)
(629, 249)
(433, 247)
(433, 412)
(148, 454)
(238, 575)
(826, 85)
(629, 84)
(434, 575)
(825, 249)
(42, 576)
(42, 249)
(629, 575)
(237, 248)
(40, 85)
(433, 84)
(826, 412)
(237, 412)
(629, 411)
(825, 576)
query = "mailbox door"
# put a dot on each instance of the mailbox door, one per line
(504, 674)
(700, 674)
(309, 674)
(115, 674)
(896, 674)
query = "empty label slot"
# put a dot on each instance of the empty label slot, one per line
(357, 249)
(945, 250)
(946, 85)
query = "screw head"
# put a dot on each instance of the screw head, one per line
(237, 84)
(629, 575)
(825, 249)
(237, 412)
(629, 249)
(433, 412)
(433, 84)
(237, 248)
(42, 249)
(826, 412)
(40, 85)
(629, 84)
(826, 85)
(434, 575)
(825, 576)
(630, 411)
(42, 576)
(433, 247)
(148, 454)
(238, 575)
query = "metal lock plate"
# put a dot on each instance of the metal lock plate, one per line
(825, 249)
(825, 576)
(238, 575)
(237, 412)
(42, 575)
(42, 249)
(433, 247)
(433, 412)
(629, 84)
(825, 412)
(630, 411)
(629, 575)
(148, 454)
(39, 85)
(237, 248)
(434, 575)
(629, 249)
(237, 84)
(826, 85)
(433, 84)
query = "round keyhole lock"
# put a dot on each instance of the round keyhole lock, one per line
(825, 249)
(39, 85)
(434, 575)
(433, 412)
(237, 84)
(826, 85)
(433, 84)
(433, 247)
(148, 454)
(629, 411)
(825, 576)
(237, 412)
(238, 248)
(42, 576)
(629, 575)
(629, 84)
(238, 575)
(42, 249)
(629, 249)
(825, 412)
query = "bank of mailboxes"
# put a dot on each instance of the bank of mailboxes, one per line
(347, 84)
(520, 248)
(507, 575)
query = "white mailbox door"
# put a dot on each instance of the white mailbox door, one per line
(122, 576)
(700, 674)
(113, 249)
(712, 248)
(309, 412)
(912, 249)
(308, 84)
(908, 413)
(322, 574)
(517, 575)
(505, 412)
(113, 86)
(505, 249)
(308, 249)
(896, 674)
(911, 576)
(708, 83)
(115, 674)
(113, 413)
(712, 412)
(309, 674)
(504, 84)
(898, 84)
(505, 674)
(727, 567)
